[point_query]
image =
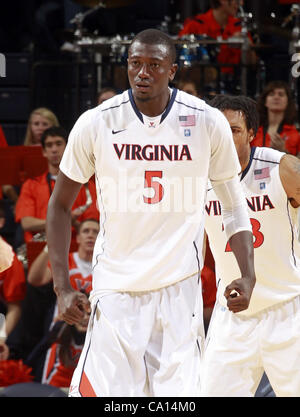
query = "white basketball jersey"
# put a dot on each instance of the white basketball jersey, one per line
(275, 231)
(151, 177)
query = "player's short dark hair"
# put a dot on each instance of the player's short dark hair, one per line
(54, 131)
(239, 103)
(156, 37)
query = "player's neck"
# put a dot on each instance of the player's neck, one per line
(153, 107)
(244, 159)
(275, 118)
(221, 17)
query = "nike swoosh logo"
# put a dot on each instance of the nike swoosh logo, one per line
(117, 131)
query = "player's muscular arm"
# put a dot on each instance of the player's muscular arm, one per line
(241, 244)
(71, 303)
(289, 170)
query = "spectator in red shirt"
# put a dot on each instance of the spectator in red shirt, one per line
(220, 23)
(31, 207)
(277, 112)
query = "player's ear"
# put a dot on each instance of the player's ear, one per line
(172, 71)
(251, 135)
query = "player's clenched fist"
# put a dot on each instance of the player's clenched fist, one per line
(73, 306)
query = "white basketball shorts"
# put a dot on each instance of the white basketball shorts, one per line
(143, 344)
(239, 349)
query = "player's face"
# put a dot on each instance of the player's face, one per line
(241, 135)
(277, 100)
(54, 149)
(149, 70)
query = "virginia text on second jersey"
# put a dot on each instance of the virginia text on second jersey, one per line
(275, 235)
(151, 176)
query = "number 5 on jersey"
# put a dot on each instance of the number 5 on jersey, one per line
(151, 182)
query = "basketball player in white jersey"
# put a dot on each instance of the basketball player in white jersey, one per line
(152, 150)
(266, 336)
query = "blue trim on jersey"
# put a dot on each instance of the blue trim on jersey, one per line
(190, 107)
(115, 107)
(169, 106)
(165, 113)
(136, 110)
(249, 163)
(292, 232)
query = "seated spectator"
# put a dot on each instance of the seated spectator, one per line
(59, 350)
(189, 87)
(12, 290)
(277, 113)
(220, 22)
(105, 94)
(40, 119)
(31, 207)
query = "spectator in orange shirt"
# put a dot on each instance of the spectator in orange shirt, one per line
(219, 22)
(12, 290)
(277, 112)
(31, 207)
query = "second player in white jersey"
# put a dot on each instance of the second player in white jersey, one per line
(265, 337)
(275, 233)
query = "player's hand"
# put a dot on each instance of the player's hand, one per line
(238, 294)
(73, 307)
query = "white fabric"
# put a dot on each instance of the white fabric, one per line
(143, 344)
(275, 229)
(143, 246)
(234, 207)
(238, 350)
